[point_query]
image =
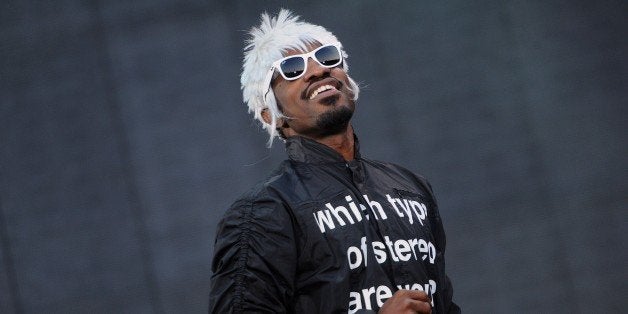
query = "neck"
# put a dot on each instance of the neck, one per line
(343, 143)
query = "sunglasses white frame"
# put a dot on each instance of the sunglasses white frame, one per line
(305, 56)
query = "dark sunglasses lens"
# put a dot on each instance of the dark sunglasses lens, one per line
(292, 67)
(328, 56)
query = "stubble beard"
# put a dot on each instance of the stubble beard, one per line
(334, 122)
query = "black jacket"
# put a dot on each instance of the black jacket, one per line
(323, 235)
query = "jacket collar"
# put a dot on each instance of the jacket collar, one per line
(310, 151)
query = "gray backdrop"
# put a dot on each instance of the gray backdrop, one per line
(124, 137)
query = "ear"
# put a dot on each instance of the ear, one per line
(281, 123)
(266, 116)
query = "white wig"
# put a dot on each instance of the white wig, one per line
(268, 43)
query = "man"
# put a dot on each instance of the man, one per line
(329, 231)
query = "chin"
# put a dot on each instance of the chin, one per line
(335, 121)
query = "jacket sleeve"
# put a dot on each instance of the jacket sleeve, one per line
(438, 231)
(254, 261)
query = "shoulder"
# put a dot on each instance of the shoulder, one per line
(263, 200)
(268, 188)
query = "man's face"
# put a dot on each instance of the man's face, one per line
(317, 104)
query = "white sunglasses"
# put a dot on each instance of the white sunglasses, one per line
(293, 67)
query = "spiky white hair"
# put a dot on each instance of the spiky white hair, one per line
(268, 43)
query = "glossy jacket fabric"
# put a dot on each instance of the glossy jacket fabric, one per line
(322, 235)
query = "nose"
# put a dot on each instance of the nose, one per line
(315, 70)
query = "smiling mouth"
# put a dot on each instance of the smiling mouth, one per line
(322, 89)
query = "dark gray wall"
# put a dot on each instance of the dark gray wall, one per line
(124, 137)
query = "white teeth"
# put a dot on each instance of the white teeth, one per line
(320, 90)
